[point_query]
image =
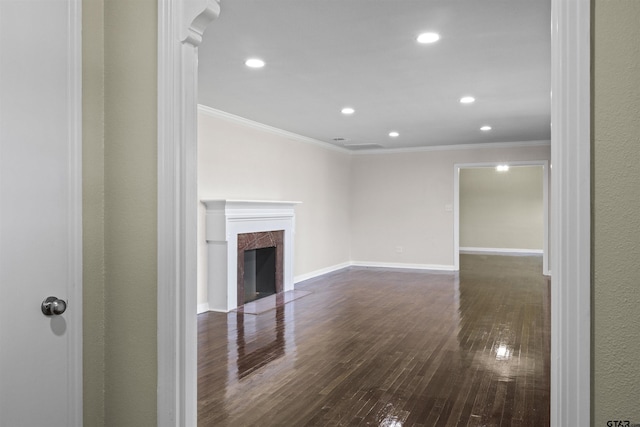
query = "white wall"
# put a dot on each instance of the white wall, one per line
(241, 161)
(502, 210)
(365, 208)
(401, 200)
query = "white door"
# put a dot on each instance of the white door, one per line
(40, 213)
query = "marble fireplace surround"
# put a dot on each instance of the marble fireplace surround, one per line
(255, 221)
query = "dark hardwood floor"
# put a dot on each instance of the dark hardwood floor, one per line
(384, 347)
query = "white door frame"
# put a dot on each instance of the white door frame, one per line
(545, 205)
(180, 27)
(75, 312)
(76, 316)
(570, 212)
(181, 24)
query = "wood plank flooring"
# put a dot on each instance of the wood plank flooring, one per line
(380, 347)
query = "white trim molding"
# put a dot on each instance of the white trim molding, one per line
(570, 207)
(232, 118)
(75, 288)
(453, 147)
(372, 264)
(181, 24)
(203, 308)
(400, 265)
(320, 272)
(500, 251)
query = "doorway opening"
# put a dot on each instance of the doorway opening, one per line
(500, 239)
(180, 31)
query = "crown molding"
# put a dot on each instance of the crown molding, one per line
(452, 147)
(297, 137)
(269, 129)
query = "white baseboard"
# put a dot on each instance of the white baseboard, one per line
(438, 267)
(316, 273)
(203, 308)
(219, 310)
(500, 251)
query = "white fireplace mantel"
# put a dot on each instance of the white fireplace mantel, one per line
(225, 219)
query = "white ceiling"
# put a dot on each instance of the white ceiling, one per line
(323, 55)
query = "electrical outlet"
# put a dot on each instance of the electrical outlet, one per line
(399, 249)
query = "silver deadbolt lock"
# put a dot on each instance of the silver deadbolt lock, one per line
(53, 306)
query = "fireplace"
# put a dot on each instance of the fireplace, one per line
(259, 265)
(243, 236)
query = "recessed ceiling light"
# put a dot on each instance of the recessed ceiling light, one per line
(485, 128)
(502, 168)
(254, 63)
(348, 110)
(394, 134)
(467, 100)
(425, 38)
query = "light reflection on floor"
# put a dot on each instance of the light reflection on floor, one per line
(374, 347)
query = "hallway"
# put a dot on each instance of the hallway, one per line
(385, 347)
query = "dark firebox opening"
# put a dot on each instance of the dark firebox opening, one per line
(259, 273)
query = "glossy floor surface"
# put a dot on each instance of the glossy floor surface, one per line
(383, 347)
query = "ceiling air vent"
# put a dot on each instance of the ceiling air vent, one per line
(356, 145)
(363, 146)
